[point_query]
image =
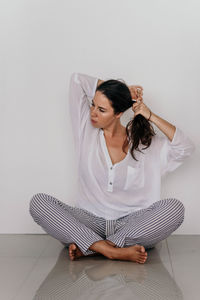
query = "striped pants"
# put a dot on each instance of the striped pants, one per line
(76, 225)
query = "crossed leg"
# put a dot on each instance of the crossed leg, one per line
(61, 221)
(151, 225)
(143, 228)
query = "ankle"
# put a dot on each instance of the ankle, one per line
(110, 243)
(103, 247)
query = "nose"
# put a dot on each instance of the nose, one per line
(93, 114)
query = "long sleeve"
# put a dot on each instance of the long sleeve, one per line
(173, 153)
(81, 91)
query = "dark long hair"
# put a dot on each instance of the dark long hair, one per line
(138, 129)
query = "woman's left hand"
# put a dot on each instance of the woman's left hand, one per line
(140, 108)
(136, 91)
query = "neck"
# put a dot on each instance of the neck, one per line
(114, 130)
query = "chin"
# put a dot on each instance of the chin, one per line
(95, 125)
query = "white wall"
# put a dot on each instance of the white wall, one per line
(154, 43)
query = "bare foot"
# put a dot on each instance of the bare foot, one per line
(133, 253)
(75, 252)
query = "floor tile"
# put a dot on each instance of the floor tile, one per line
(100, 278)
(52, 248)
(22, 245)
(13, 273)
(38, 267)
(185, 256)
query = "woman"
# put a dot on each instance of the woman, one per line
(118, 212)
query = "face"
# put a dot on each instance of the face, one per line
(102, 112)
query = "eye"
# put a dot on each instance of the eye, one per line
(99, 108)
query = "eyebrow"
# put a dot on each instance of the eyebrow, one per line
(100, 106)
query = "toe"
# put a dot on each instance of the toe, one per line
(73, 247)
(142, 260)
(143, 255)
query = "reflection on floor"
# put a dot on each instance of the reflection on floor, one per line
(38, 267)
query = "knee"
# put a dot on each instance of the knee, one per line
(177, 208)
(35, 203)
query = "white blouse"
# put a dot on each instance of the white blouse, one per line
(113, 191)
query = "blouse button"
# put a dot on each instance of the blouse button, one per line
(111, 168)
(110, 182)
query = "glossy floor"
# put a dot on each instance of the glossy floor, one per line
(38, 267)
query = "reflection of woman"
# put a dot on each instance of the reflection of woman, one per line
(118, 212)
(105, 279)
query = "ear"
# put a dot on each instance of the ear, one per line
(119, 115)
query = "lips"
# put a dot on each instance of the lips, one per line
(94, 121)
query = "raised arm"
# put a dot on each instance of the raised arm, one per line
(174, 147)
(167, 128)
(81, 91)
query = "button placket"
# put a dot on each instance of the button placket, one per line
(109, 163)
(110, 178)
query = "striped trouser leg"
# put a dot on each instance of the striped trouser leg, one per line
(150, 225)
(66, 223)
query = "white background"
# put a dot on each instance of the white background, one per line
(153, 43)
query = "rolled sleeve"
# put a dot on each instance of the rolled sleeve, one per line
(173, 153)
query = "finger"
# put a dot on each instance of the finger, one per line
(135, 105)
(139, 99)
(138, 87)
(136, 110)
(138, 91)
(139, 94)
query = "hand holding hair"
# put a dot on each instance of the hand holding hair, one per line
(139, 107)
